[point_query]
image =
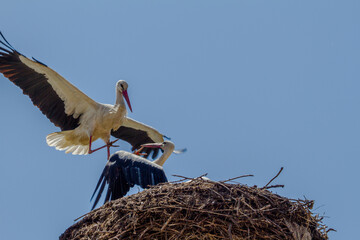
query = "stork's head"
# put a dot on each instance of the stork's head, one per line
(122, 87)
(168, 146)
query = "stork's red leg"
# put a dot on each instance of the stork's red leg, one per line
(90, 150)
(108, 145)
(139, 153)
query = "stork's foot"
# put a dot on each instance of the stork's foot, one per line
(111, 144)
(139, 153)
(108, 145)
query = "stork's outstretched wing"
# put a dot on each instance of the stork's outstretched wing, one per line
(137, 133)
(57, 98)
(124, 170)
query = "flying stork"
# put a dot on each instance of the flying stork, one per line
(125, 169)
(81, 119)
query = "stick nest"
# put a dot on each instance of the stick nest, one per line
(201, 209)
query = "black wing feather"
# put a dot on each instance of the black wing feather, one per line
(36, 86)
(122, 173)
(120, 187)
(136, 138)
(7, 44)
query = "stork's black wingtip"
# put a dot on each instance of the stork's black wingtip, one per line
(94, 192)
(39, 61)
(7, 44)
(92, 196)
(93, 207)
(168, 138)
(180, 151)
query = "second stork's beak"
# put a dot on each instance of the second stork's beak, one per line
(126, 96)
(152, 145)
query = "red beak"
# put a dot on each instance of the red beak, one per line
(126, 96)
(152, 145)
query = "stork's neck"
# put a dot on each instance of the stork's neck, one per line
(119, 99)
(161, 160)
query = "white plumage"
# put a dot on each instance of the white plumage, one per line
(81, 119)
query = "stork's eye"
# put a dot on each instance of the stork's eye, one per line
(121, 86)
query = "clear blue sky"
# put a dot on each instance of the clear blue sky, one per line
(247, 86)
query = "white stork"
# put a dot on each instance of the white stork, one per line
(125, 169)
(81, 119)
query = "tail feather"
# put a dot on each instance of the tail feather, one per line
(60, 141)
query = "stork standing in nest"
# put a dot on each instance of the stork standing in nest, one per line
(124, 170)
(81, 119)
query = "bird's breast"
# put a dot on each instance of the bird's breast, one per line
(111, 118)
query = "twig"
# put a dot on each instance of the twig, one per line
(81, 216)
(274, 177)
(274, 186)
(229, 232)
(231, 179)
(187, 178)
